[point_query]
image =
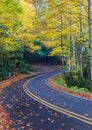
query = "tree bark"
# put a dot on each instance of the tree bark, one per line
(90, 38)
(62, 53)
(81, 58)
(71, 45)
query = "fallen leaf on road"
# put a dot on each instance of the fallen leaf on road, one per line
(62, 124)
(72, 129)
(85, 114)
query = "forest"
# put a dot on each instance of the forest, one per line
(50, 32)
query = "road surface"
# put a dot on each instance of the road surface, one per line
(38, 106)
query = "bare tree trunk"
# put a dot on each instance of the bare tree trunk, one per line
(90, 38)
(81, 57)
(62, 47)
(71, 45)
(71, 55)
(63, 63)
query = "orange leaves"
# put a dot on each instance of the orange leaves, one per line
(28, 124)
(4, 121)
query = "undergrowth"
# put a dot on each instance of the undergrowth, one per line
(60, 81)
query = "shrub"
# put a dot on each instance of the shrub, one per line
(83, 90)
(25, 68)
(74, 88)
(3, 74)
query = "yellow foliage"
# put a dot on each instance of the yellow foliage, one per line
(32, 47)
(56, 51)
(49, 44)
(28, 13)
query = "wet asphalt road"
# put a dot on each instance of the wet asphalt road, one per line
(40, 87)
(28, 114)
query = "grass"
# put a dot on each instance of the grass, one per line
(60, 81)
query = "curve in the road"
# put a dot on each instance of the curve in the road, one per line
(51, 105)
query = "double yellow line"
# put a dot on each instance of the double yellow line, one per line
(59, 109)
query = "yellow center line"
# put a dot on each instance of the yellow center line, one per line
(59, 109)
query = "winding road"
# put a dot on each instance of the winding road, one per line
(32, 104)
(76, 107)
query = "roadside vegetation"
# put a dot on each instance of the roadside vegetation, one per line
(72, 82)
(50, 33)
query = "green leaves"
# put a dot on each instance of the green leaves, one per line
(12, 6)
(15, 18)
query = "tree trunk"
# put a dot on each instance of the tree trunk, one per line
(90, 38)
(71, 45)
(81, 57)
(62, 53)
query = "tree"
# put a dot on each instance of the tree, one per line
(90, 38)
(15, 34)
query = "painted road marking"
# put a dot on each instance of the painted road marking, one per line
(59, 109)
